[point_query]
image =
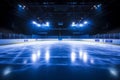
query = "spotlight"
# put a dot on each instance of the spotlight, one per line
(7, 71)
(19, 5)
(34, 22)
(99, 5)
(38, 25)
(81, 25)
(85, 22)
(47, 23)
(24, 7)
(73, 24)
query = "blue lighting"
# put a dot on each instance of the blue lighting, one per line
(38, 25)
(80, 54)
(20, 6)
(34, 57)
(38, 54)
(23, 7)
(81, 25)
(99, 5)
(7, 71)
(47, 56)
(73, 56)
(34, 22)
(113, 72)
(47, 24)
(85, 22)
(73, 24)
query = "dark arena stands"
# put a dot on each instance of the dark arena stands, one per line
(59, 40)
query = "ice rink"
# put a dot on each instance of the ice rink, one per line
(60, 60)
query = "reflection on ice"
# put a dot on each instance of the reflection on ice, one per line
(7, 71)
(83, 55)
(61, 52)
(34, 57)
(80, 54)
(113, 72)
(38, 54)
(92, 61)
(73, 56)
(25, 62)
(47, 56)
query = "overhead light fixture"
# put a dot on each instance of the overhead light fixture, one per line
(85, 22)
(81, 25)
(73, 24)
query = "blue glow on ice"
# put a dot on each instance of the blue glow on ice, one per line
(81, 25)
(34, 22)
(7, 71)
(47, 24)
(85, 57)
(20, 6)
(113, 72)
(38, 54)
(34, 57)
(47, 56)
(73, 56)
(85, 22)
(73, 24)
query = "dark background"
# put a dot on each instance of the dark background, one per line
(19, 22)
